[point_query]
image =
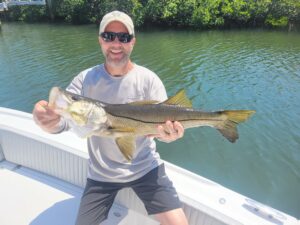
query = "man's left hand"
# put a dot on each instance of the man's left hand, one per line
(170, 131)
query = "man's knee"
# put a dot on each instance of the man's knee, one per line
(172, 217)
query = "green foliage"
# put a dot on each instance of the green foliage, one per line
(283, 13)
(258, 11)
(277, 22)
(237, 11)
(285, 8)
(207, 14)
(175, 13)
(27, 13)
(154, 11)
(91, 11)
(69, 10)
(178, 12)
(138, 13)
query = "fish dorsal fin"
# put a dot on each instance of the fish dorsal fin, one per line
(144, 102)
(126, 145)
(179, 98)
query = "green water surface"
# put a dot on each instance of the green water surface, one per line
(257, 70)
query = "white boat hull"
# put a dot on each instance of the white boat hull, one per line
(36, 162)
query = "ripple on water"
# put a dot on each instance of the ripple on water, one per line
(257, 70)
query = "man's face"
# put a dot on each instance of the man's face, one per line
(116, 53)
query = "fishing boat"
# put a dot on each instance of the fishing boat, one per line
(42, 177)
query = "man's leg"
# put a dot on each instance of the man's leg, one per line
(172, 217)
(160, 197)
(96, 202)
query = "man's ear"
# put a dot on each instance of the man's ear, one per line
(100, 40)
(133, 41)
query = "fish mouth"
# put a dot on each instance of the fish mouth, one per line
(54, 93)
(58, 99)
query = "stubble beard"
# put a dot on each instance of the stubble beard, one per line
(117, 63)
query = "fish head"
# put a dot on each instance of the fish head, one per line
(62, 102)
(81, 111)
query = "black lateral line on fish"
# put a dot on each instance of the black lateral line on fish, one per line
(149, 122)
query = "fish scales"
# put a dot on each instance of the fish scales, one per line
(160, 113)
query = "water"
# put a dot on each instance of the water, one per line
(257, 70)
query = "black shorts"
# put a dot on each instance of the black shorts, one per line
(154, 189)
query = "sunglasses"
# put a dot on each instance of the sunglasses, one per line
(111, 36)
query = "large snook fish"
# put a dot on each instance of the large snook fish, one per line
(124, 122)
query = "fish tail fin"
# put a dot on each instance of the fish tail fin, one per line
(228, 129)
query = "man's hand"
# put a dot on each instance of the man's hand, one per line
(45, 117)
(169, 132)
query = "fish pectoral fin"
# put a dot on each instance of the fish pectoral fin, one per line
(126, 145)
(179, 98)
(121, 131)
(145, 102)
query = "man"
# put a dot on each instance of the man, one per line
(119, 80)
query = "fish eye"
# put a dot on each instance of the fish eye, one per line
(75, 98)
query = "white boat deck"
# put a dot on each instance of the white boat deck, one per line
(30, 197)
(42, 178)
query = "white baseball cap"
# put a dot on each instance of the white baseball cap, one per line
(117, 16)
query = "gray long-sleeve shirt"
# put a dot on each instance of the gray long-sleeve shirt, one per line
(106, 162)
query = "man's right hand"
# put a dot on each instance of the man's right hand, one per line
(45, 117)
